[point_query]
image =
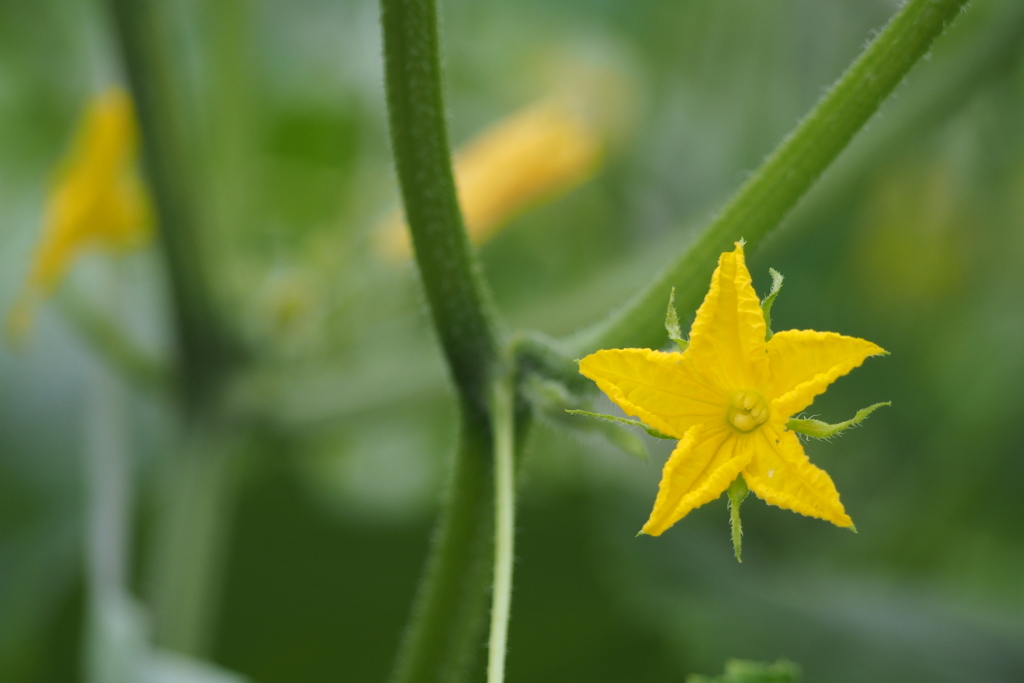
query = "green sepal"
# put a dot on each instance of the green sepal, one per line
(554, 400)
(817, 429)
(766, 305)
(737, 494)
(625, 440)
(742, 671)
(626, 421)
(672, 323)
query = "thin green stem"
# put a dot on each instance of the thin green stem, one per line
(503, 419)
(108, 647)
(459, 302)
(445, 627)
(109, 487)
(774, 189)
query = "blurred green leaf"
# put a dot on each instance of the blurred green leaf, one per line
(741, 671)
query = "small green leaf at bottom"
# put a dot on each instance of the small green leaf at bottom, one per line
(742, 671)
(737, 494)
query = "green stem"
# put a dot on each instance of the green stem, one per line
(109, 487)
(207, 353)
(536, 354)
(444, 630)
(447, 617)
(110, 648)
(785, 176)
(191, 527)
(987, 48)
(503, 418)
(191, 539)
(459, 302)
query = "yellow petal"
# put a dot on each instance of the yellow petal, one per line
(659, 388)
(107, 137)
(543, 150)
(701, 467)
(97, 201)
(127, 209)
(727, 337)
(780, 474)
(804, 362)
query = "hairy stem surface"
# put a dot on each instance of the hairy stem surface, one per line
(459, 302)
(445, 628)
(445, 625)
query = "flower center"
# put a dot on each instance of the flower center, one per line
(747, 411)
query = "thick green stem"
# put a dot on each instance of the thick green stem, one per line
(445, 628)
(191, 539)
(206, 350)
(774, 189)
(445, 625)
(459, 302)
(503, 419)
(190, 532)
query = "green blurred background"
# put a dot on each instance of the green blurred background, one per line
(913, 240)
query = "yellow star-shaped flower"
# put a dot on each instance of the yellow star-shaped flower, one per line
(728, 397)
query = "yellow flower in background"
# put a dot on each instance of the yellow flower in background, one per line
(728, 398)
(98, 200)
(537, 153)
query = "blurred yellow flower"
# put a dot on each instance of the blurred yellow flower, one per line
(537, 153)
(728, 397)
(98, 201)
